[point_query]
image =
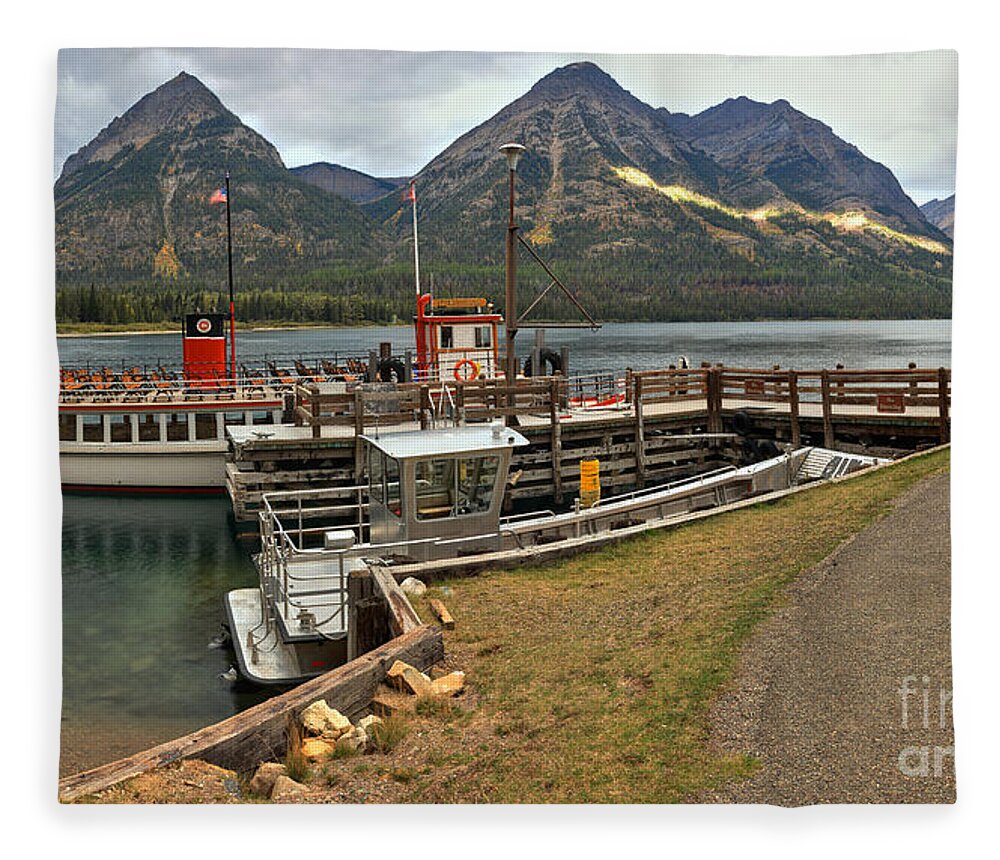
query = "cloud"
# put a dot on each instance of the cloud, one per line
(388, 113)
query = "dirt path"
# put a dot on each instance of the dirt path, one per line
(819, 696)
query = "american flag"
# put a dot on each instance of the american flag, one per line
(218, 197)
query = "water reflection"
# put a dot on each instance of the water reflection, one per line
(143, 580)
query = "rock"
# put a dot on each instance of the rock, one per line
(287, 790)
(405, 677)
(263, 779)
(317, 749)
(366, 723)
(412, 586)
(356, 739)
(416, 682)
(449, 685)
(319, 719)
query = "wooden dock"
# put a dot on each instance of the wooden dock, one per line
(665, 424)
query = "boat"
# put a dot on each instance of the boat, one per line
(432, 504)
(161, 429)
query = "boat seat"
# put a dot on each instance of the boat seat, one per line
(436, 511)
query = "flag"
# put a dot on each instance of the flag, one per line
(410, 194)
(218, 197)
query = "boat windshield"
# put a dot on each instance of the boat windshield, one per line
(448, 487)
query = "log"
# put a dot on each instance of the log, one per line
(402, 616)
(259, 734)
(441, 611)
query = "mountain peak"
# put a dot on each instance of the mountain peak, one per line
(575, 79)
(183, 101)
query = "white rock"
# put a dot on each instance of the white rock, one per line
(356, 739)
(319, 719)
(412, 586)
(366, 723)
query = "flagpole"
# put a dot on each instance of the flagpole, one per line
(416, 251)
(232, 304)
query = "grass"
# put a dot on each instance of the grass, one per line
(595, 675)
(388, 734)
(297, 766)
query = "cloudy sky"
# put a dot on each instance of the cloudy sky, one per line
(389, 113)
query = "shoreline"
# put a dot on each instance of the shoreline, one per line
(306, 327)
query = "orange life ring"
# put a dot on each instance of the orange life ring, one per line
(470, 365)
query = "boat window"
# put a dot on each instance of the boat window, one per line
(435, 488)
(476, 479)
(204, 425)
(67, 427)
(149, 428)
(263, 418)
(121, 428)
(177, 427)
(93, 428)
(393, 498)
(484, 336)
(447, 337)
(376, 487)
(235, 418)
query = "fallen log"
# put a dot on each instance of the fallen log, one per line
(260, 733)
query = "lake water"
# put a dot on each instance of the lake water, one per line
(803, 345)
(143, 577)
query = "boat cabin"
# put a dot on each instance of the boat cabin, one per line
(456, 339)
(434, 490)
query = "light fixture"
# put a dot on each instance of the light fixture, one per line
(513, 153)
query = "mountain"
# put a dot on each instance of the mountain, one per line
(133, 204)
(578, 125)
(779, 156)
(650, 214)
(941, 213)
(356, 186)
(742, 211)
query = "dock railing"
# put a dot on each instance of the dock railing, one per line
(913, 392)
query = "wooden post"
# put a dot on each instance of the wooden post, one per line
(359, 429)
(425, 407)
(943, 430)
(556, 440)
(314, 407)
(793, 407)
(828, 437)
(628, 385)
(714, 392)
(640, 435)
(460, 404)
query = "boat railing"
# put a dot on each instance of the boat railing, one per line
(305, 506)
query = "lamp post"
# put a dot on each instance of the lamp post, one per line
(513, 152)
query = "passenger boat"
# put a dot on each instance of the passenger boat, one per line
(432, 504)
(156, 429)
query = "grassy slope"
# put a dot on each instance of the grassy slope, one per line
(597, 674)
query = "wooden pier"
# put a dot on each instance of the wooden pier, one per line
(657, 425)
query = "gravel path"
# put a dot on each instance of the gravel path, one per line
(819, 694)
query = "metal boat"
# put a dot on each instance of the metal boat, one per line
(432, 504)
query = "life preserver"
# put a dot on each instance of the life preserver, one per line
(466, 369)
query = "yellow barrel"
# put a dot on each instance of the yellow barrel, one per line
(590, 482)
